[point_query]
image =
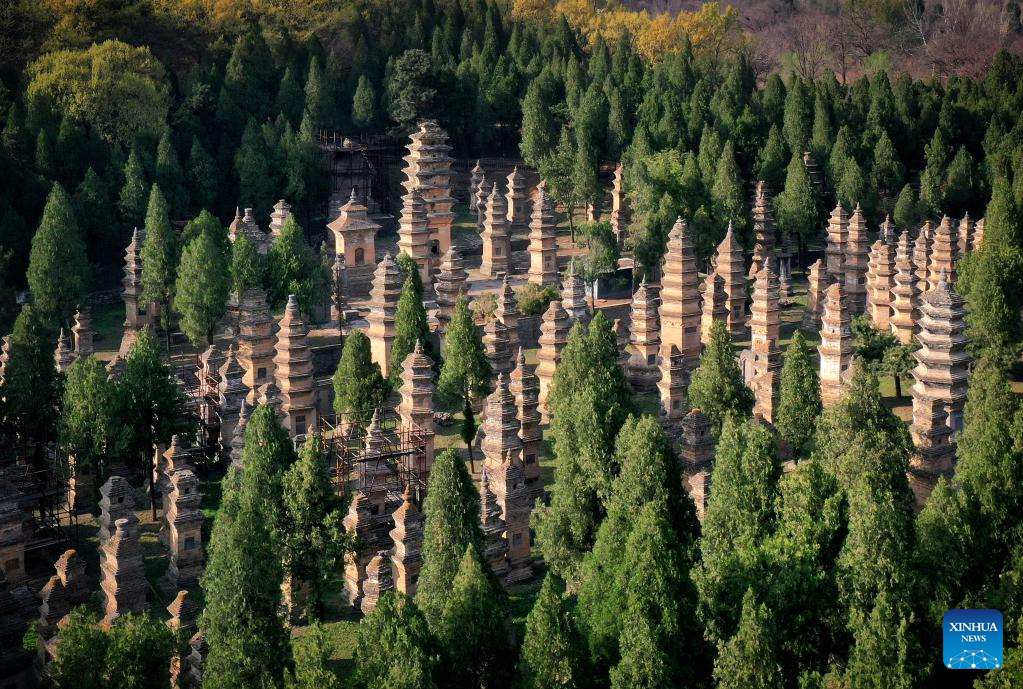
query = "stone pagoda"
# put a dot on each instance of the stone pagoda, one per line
(518, 204)
(476, 178)
(697, 452)
(857, 251)
(715, 304)
(184, 532)
(63, 592)
(525, 387)
(255, 340)
(237, 439)
(498, 348)
(554, 328)
(886, 231)
(13, 533)
(416, 407)
(905, 296)
(817, 279)
(671, 385)
(496, 237)
(880, 283)
(383, 306)
(280, 214)
(645, 338)
(378, 581)
(834, 252)
(63, 355)
(184, 613)
(293, 368)
(495, 545)
(414, 233)
(964, 236)
(573, 295)
(123, 576)
(507, 312)
(680, 295)
(922, 256)
(836, 347)
(479, 201)
(428, 169)
(17, 664)
(502, 452)
(619, 206)
(246, 225)
(939, 393)
(763, 231)
(978, 235)
(543, 239)
(355, 239)
(116, 502)
(407, 552)
(765, 325)
(231, 393)
(729, 265)
(942, 258)
(83, 334)
(449, 284)
(136, 312)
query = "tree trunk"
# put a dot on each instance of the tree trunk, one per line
(898, 385)
(152, 488)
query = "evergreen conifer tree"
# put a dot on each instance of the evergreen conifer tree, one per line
(748, 660)
(159, 250)
(716, 387)
(135, 192)
(395, 647)
(796, 206)
(202, 175)
(465, 374)
(58, 270)
(96, 221)
(410, 270)
(294, 268)
(853, 189)
(798, 116)
(364, 104)
(246, 265)
(86, 427)
(290, 96)
(46, 166)
(200, 294)
(552, 653)
(31, 388)
(906, 214)
(709, 154)
(727, 191)
(799, 402)
(253, 165)
(888, 173)
(359, 387)
(169, 175)
(958, 185)
(820, 136)
(772, 160)
(539, 130)
(410, 326)
(840, 154)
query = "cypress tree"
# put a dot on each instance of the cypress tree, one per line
(841, 152)
(395, 647)
(200, 293)
(773, 99)
(364, 107)
(727, 191)
(290, 96)
(139, 650)
(716, 387)
(294, 268)
(253, 165)
(798, 116)
(134, 194)
(740, 514)
(452, 526)
(206, 223)
(359, 387)
(772, 159)
(465, 373)
(202, 175)
(883, 651)
(317, 107)
(45, 165)
(888, 173)
(58, 270)
(958, 185)
(410, 326)
(86, 426)
(749, 659)
(83, 649)
(709, 154)
(799, 402)
(796, 206)
(410, 270)
(853, 190)
(169, 175)
(552, 653)
(907, 210)
(96, 221)
(158, 254)
(246, 265)
(539, 130)
(990, 280)
(820, 137)
(659, 617)
(472, 629)
(31, 388)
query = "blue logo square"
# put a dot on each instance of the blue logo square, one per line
(972, 639)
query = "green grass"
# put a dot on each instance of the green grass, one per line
(108, 324)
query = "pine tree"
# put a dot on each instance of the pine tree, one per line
(44, 156)
(888, 173)
(841, 152)
(149, 406)
(395, 647)
(472, 629)
(253, 165)
(740, 514)
(314, 541)
(268, 455)
(772, 159)
(727, 191)
(31, 388)
(202, 175)
(709, 154)
(552, 653)
(359, 387)
(452, 525)
(907, 210)
(246, 265)
(294, 268)
(853, 190)
(410, 326)
(317, 107)
(660, 643)
(796, 207)
(158, 256)
(799, 402)
(248, 643)
(748, 660)
(539, 129)
(883, 650)
(290, 96)
(170, 177)
(58, 271)
(96, 220)
(465, 374)
(364, 105)
(716, 387)
(798, 116)
(135, 192)
(86, 427)
(200, 293)
(820, 138)
(958, 185)
(410, 270)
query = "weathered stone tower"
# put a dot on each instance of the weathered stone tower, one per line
(507, 312)
(697, 458)
(645, 340)
(905, 296)
(83, 333)
(428, 169)
(280, 214)
(964, 236)
(518, 203)
(416, 407)
(525, 387)
(729, 265)
(123, 578)
(835, 250)
(293, 368)
(836, 348)
(573, 295)
(922, 256)
(255, 340)
(184, 532)
(763, 231)
(414, 233)
(765, 325)
(857, 250)
(715, 305)
(407, 536)
(880, 283)
(817, 285)
(543, 239)
(136, 311)
(449, 284)
(231, 393)
(383, 305)
(672, 385)
(942, 258)
(619, 206)
(680, 295)
(496, 237)
(553, 338)
(499, 351)
(355, 239)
